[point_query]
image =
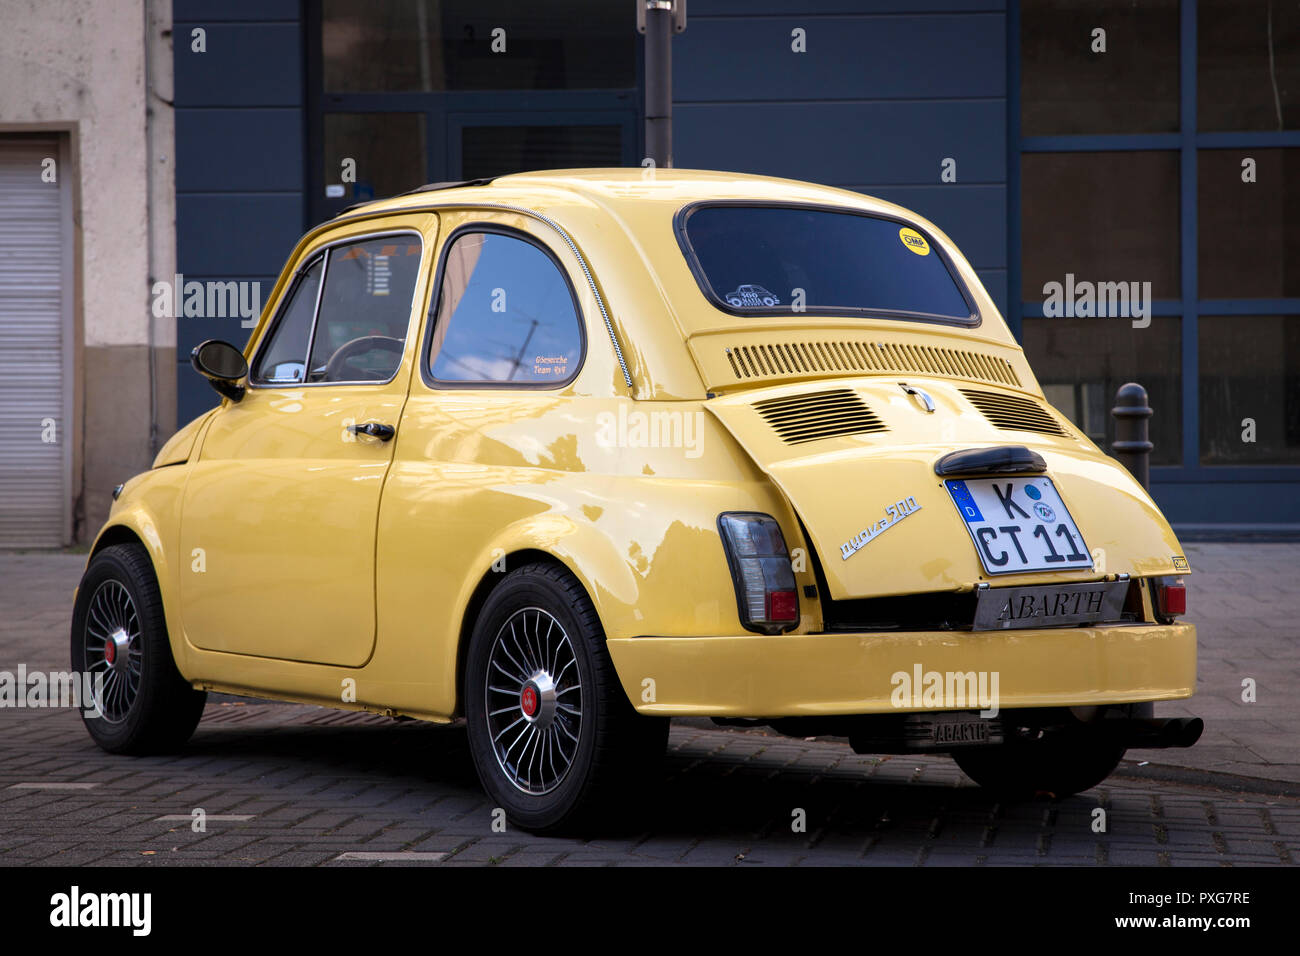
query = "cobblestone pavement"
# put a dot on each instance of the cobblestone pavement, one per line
(284, 784)
(1245, 602)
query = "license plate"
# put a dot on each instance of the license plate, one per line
(1050, 606)
(1019, 524)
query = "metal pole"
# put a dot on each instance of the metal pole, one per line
(659, 81)
(1132, 446)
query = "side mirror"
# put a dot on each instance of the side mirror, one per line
(222, 365)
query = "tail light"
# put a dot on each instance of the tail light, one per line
(766, 593)
(1169, 595)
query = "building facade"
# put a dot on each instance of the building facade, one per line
(87, 383)
(1124, 177)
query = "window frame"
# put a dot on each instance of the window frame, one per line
(1188, 141)
(434, 314)
(683, 215)
(324, 252)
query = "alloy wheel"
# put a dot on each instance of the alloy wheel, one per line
(113, 650)
(533, 701)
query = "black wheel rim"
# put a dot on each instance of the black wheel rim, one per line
(113, 651)
(532, 695)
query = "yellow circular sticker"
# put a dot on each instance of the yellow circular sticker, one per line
(914, 241)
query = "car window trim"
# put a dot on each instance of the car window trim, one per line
(433, 315)
(680, 218)
(325, 251)
(326, 256)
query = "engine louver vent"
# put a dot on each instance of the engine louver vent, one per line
(1010, 411)
(801, 418)
(847, 355)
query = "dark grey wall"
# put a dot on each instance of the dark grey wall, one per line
(239, 159)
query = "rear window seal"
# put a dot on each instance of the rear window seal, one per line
(683, 215)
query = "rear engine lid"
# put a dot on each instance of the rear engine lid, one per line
(856, 457)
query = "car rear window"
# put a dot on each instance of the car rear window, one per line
(783, 259)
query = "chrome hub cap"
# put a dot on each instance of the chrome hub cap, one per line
(112, 650)
(117, 650)
(538, 700)
(533, 699)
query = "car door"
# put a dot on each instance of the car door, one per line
(278, 519)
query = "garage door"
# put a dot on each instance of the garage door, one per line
(35, 310)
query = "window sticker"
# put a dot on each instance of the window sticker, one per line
(914, 241)
(751, 297)
(551, 366)
(378, 273)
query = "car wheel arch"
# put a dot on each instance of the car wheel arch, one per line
(483, 589)
(137, 526)
(115, 534)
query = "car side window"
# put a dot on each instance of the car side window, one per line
(365, 310)
(281, 359)
(506, 313)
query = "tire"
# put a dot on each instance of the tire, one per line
(554, 739)
(145, 705)
(1058, 766)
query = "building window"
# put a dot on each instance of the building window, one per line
(1248, 65)
(1250, 389)
(388, 46)
(488, 151)
(1101, 216)
(1115, 188)
(374, 155)
(1082, 362)
(1248, 210)
(426, 91)
(1068, 86)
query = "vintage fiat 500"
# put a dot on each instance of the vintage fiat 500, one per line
(567, 454)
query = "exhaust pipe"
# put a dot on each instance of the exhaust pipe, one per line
(1158, 733)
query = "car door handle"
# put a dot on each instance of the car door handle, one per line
(374, 430)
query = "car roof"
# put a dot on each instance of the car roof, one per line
(618, 186)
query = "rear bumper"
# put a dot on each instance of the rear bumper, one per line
(838, 674)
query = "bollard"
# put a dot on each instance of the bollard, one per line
(1132, 445)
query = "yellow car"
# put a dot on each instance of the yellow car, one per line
(568, 454)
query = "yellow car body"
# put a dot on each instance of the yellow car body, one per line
(297, 564)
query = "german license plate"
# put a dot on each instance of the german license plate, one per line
(1050, 606)
(1019, 524)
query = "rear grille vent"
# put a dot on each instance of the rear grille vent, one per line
(801, 418)
(1010, 411)
(810, 358)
